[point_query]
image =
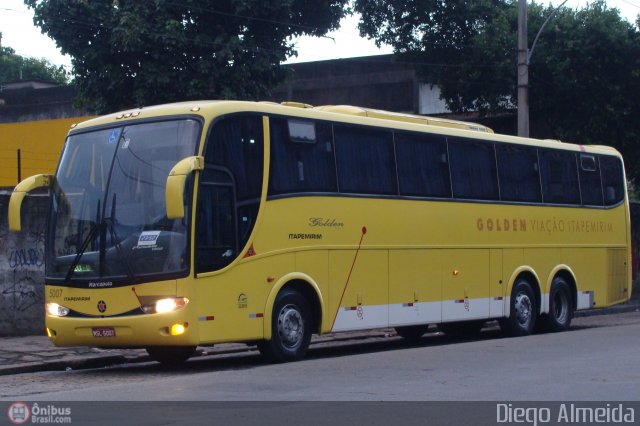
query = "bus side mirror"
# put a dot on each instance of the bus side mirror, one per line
(174, 190)
(18, 194)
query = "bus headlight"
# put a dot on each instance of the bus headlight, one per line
(56, 310)
(162, 306)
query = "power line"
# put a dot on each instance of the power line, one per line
(631, 4)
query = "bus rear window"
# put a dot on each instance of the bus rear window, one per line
(612, 180)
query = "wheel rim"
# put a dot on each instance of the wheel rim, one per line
(560, 307)
(523, 307)
(290, 327)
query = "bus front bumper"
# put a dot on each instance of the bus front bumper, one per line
(139, 331)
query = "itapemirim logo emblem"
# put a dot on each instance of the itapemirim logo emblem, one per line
(18, 413)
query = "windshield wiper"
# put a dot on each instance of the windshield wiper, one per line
(85, 243)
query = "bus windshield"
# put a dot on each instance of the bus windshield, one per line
(108, 221)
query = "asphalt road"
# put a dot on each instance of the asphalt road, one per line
(599, 359)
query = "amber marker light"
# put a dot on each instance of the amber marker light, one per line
(178, 329)
(456, 272)
(195, 109)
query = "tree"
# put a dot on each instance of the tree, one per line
(133, 53)
(15, 67)
(584, 73)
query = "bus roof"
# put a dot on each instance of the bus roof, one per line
(344, 113)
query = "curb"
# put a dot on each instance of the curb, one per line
(93, 362)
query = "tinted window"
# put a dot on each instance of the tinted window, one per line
(590, 184)
(365, 160)
(301, 164)
(473, 169)
(236, 143)
(216, 244)
(559, 177)
(229, 192)
(518, 173)
(612, 180)
(423, 165)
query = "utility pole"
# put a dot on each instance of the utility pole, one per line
(524, 57)
(523, 71)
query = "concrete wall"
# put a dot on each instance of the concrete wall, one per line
(22, 268)
(32, 103)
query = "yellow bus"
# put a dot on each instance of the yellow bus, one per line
(224, 221)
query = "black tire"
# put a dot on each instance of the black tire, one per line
(465, 329)
(290, 329)
(412, 332)
(523, 312)
(171, 356)
(560, 307)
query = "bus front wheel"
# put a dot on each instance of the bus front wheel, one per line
(523, 312)
(171, 356)
(290, 329)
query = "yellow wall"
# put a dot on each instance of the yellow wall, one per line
(40, 144)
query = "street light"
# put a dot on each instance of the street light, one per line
(524, 57)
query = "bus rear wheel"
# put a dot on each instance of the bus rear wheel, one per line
(290, 329)
(560, 307)
(523, 312)
(171, 356)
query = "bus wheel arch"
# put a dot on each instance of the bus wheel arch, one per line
(304, 285)
(531, 277)
(291, 325)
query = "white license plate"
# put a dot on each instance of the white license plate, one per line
(103, 332)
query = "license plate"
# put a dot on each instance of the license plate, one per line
(103, 332)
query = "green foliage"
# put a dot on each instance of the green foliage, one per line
(584, 72)
(15, 67)
(133, 53)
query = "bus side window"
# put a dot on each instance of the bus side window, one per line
(365, 158)
(473, 169)
(301, 157)
(559, 176)
(423, 165)
(518, 173)
(612, 179)
(590, 184)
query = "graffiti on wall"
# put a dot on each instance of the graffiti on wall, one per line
(22, 269)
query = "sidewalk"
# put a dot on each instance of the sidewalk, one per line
(36, 353)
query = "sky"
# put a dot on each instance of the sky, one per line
(18, 32)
